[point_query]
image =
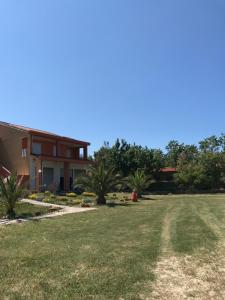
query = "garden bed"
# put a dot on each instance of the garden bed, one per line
(26, 210)
(69, 199)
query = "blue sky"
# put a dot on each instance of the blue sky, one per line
(147, 70)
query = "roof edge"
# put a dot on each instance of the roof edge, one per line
(43, 133)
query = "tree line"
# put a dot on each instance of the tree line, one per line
(199, 167)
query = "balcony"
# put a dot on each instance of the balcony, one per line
(59, 152)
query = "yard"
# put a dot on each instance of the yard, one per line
(166, 247)
(26, 210)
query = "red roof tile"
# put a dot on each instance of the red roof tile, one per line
(168, 169)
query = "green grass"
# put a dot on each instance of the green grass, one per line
(110, 253)
(190, 231)
(25, 210)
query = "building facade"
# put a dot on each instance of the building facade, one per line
(42, 158)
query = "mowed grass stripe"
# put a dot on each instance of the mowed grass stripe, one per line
(189, 231)
(106, 254)
(213, 214)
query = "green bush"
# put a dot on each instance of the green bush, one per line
(71, 195)
(33, 196)
(76, 201)
(47, 193)
(125, 198)
(25, 193)
(86, 200)
(47, 200)
(62, 198)
(87, 194)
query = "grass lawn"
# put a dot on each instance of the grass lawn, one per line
(25, 210)
(169, 247)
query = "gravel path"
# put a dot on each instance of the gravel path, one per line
(63, 211)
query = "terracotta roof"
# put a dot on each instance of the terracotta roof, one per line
(43, 133)
(168, 169)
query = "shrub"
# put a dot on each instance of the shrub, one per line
(47, 200)
(71, 194)
(11, 191)
(86, 200)
(138, 182)
(62, 198)
(87, 194)
(125, 198)
(99, 179)
(25, 193)
(77, 201)
(33, 196)
(47, 193)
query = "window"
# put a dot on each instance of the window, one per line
(69, 153)
(36, 148)
(24, 152)
(81, 153)
(54, 150)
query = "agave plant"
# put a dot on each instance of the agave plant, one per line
(100, 180)
(138, 182)
(11, 191)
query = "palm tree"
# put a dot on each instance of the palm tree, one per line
(99, 180)
(11, 191)
(138, 182)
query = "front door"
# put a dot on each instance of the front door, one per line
(61, 183)
(48, 176)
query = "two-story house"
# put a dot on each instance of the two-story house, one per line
(42, 158)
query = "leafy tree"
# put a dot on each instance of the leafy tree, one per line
(206, 171)
(210, 144)
(191, 176)
(11, 191)
(174, 150)
(199, 167)
(138, 182)
(100, 180)
(222, 142)
(126, 158)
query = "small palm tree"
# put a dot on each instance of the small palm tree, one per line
(99, 180)
(11, 191)
(138, 182)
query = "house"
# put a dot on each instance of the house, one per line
(40, 157)
(164, 181)
(167, 174)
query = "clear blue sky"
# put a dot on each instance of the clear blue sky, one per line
(145, 70)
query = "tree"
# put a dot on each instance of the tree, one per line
(11, 191)
(138, 181)
(126, 158)
(100, 180)
(174, 150)
(205, 171)
(222, 142)
(211, 144)
(191, 176)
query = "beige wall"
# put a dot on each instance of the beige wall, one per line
(11, 150)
